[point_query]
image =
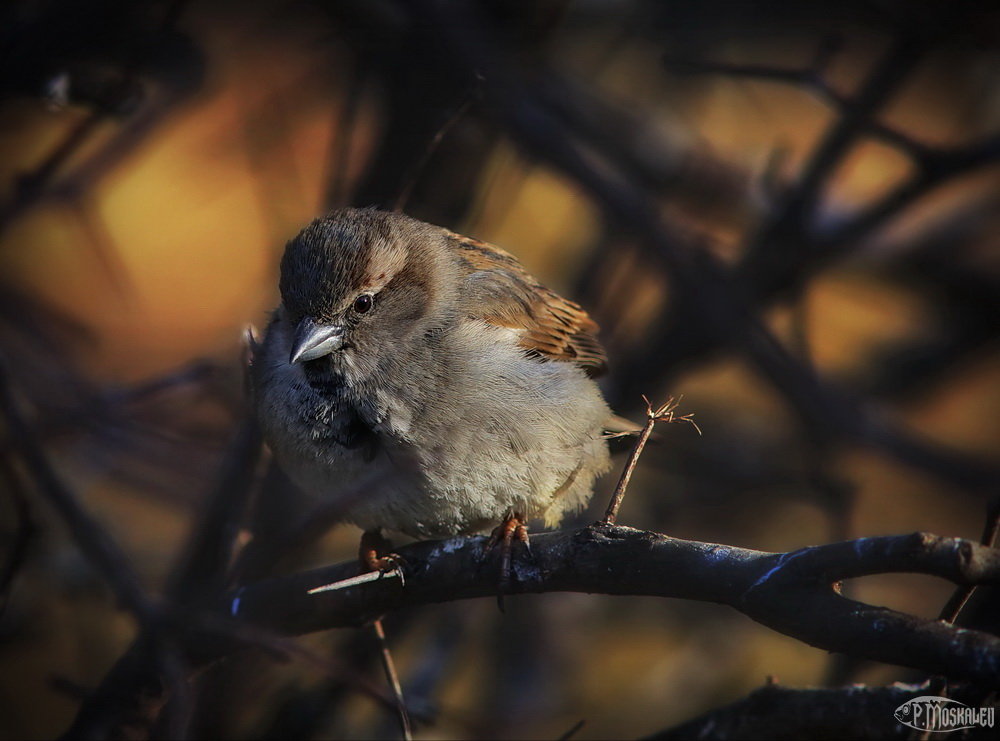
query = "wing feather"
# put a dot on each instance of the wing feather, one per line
(501, 292)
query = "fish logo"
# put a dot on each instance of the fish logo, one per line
(942, 714)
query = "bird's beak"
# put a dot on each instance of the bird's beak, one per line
(314, 340)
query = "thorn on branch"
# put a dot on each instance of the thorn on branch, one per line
(364, 578)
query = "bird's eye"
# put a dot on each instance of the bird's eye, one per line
(363, 303)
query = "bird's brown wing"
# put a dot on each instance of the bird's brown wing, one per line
(501, 292)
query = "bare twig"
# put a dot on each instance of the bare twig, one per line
(689, 172)
(796, 212)
(411, 179)
(812, 79)
(573, 730)
(99, 548)
(389, 667)
(45, 181)
(131, 695)
(19, 542)
(31, 186)
(933, 171)
(90, 537)
(213, 627)
(201, 570)
(339, 165)
(198, 576)
(663, 413)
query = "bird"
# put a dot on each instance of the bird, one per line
(429, 381)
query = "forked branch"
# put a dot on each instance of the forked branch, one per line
(795, 593)
(663, 413)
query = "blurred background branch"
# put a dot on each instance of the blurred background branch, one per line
(786, 213)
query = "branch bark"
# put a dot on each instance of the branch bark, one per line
(795, 593)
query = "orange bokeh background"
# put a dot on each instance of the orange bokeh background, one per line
(166, 258)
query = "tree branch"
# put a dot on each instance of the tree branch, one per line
(795, 593)
(814, 80)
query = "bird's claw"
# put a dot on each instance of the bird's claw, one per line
(512, 528)
(371, 557)
(391, 564)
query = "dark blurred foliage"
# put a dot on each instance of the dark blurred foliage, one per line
(825, 297)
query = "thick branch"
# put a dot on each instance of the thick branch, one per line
(794, 593)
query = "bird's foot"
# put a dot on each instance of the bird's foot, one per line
(372, 555)
(513, 528)
(374, 565)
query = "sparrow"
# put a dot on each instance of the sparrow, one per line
(435, 366)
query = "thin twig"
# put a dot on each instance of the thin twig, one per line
(573, 730)
(201, 569)
(219, 628)
(23, 535)
(664, 413)
(389, 666)
(95, 543)
(90, 537)
(339, 164)
(44, 182)
(175, 717)
(432, 145)
(30, 187)
(813, 79)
